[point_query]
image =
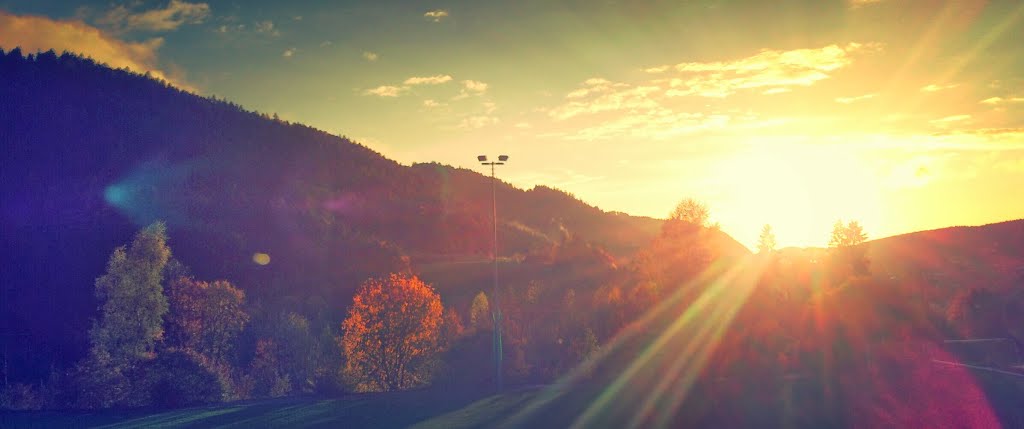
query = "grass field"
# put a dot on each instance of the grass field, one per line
(552, 406)
(423, 409)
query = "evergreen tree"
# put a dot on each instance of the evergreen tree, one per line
(766, 243)
(480, 312)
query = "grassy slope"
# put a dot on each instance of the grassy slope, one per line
(527, 407)
(370, 410)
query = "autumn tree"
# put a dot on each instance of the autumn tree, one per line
(391, 333)
(132, 301)
(766, 243)
(205, 317)
(480, 312)
(132, 308)
(451, 328)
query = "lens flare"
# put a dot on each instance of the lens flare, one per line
(261, 258)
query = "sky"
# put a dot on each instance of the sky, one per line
(903, 115)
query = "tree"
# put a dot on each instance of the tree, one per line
(977, 313)
(846, 244)
(847, 235)
(480, 312)
(205, 317)
(391, 333)
(132, 301)
(691, 211)
(451, 328)
(766, 243)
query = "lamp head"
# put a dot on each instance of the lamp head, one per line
(502, 158)
(481, 158)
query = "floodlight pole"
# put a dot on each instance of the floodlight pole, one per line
(495, 308)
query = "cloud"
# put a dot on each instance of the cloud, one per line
(1001, 100)
(386, 91)
(370, 56)
(657, 124)
(599, 95)
(288, 53)
(658, 106)
(428, 80)
(950, 119)
(176, 14)
(933, 87)
(854, 4)
(436, 15)
(474, 85)
(431, 103)
(848, 100)
(326, 43)
(479, 121)
(766, 69)
(35, 33)
(266, 27)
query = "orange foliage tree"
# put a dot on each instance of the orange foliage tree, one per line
(391, 333)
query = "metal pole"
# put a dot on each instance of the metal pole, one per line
(496, 312)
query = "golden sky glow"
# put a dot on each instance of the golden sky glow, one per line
(904, 115)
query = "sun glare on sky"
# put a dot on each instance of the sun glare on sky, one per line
(799, 190)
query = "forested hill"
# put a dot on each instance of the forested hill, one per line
(91, 154)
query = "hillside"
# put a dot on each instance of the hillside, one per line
(91, 154)
(989, 256)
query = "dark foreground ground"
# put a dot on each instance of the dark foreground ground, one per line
(539, 407)
(421, 409)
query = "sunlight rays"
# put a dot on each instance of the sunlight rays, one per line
(671, 361)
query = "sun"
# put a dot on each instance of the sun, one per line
(799, 189)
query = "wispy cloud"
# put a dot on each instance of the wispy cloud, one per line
(176, 14)
(431, 103)
(934, 87)
(1001, 100)
(950, 119)
(654, 124)
(769, 69)
(428, 80)
(474, 85)
(266, 27)
(599, 95)
(288, 53)
(436, 15)
(848, 100)
(34, 33)
(386, 91)
(478, 121)
(370, 56)
(661, 106)
(407, 85)
(854, 4)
